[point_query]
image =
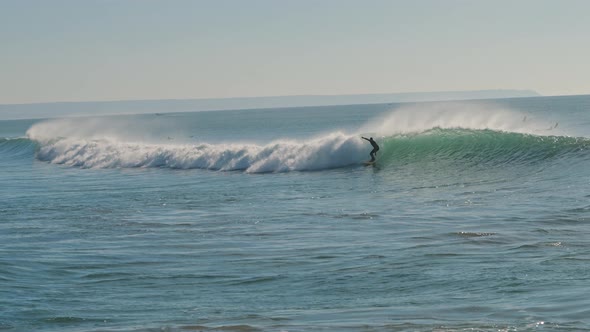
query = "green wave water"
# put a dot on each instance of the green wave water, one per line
(480, 146)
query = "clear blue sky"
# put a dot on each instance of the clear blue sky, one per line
(79, 50)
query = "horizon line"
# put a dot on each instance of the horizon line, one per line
(284, 96)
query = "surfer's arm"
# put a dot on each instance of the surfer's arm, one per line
(364, 138)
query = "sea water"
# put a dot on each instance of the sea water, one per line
(476, 217)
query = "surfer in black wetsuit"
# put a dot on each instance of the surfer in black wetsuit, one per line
(375, 147)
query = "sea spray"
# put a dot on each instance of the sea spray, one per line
(417, 118)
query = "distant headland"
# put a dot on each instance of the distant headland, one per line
(62, 109)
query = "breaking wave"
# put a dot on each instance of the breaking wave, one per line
(332, 151)
(406, 136)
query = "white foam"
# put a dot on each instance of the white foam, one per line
(330, 151)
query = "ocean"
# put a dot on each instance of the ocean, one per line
(475, 217)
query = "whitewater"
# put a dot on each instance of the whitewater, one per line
(474, 218)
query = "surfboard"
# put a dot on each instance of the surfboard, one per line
(369, 163)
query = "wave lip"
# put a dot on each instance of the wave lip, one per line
(332, 151)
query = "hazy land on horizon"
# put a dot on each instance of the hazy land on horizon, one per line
(82, 108)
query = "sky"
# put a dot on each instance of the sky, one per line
(96, 50)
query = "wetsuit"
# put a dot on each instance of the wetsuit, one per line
(375, 149)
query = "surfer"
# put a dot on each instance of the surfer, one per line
(375, 147)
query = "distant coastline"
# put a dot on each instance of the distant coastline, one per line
(65, 109)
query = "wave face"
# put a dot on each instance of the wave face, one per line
(482, 146)
(17, 148)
